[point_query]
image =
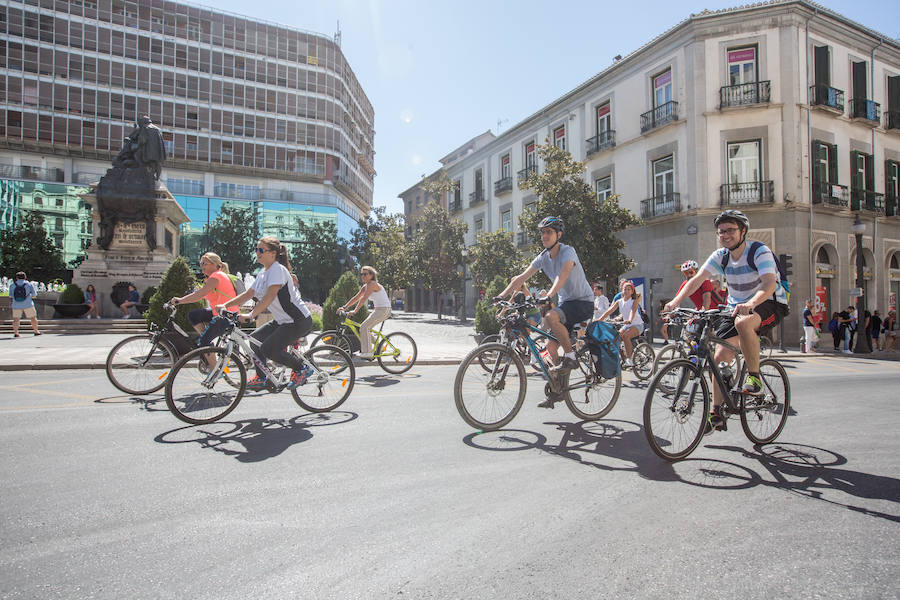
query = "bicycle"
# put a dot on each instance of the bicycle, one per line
(642, 354)
(489, 399)
(395, 352)
(197, 393)
(677, 403)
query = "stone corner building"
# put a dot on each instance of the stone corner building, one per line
(785, 110)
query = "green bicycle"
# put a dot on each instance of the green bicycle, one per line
(395, 352)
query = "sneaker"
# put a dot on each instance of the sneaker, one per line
(256, 383)
(627, 364)
(365, 355)
(715, 421)
(550, 401)
(37, 333)
(15, 335)
(566, 364)
(847, 351)
(300, 377)
(752, 386)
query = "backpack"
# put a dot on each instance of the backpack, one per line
(238, 283)
(20, 294)
(782, 276)
(833, 326)
(603, 342)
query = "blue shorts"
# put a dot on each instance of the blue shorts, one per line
(638, 326)
(200, 315)
(573, 312)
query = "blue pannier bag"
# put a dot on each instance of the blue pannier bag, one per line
(603, 342)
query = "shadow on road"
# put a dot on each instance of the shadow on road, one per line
(254, 440)
(150, 403)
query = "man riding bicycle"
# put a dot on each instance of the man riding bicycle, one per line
(752, 297)
(560, 264)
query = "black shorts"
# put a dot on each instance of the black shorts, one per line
(200, 315)
(768, 313)
(573, 312)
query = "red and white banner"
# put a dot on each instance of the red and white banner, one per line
(819, 311)
(739, 56)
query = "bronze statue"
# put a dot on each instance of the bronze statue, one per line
(143, 148)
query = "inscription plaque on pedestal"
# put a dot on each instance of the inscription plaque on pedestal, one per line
(130, 236)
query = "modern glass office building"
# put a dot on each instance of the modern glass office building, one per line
(250, 111)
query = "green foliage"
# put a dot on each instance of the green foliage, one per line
(178, 280)
(233, 237)
(363, 237)
(317, 260)
(30, 249)
(391, 254)
(72, 295)
(317, 321)
(494, 254)
(345, 288)
(591, 225)
(485, 314)
(436, 250)
(148, 293)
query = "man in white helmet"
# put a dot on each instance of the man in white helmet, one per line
(702, 297)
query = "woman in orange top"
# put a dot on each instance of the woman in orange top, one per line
(218, 289)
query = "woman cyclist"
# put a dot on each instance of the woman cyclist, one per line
(217, 290)
(627, 305)
(276, 291)
(381, 310)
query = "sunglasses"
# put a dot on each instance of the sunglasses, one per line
(263, 250)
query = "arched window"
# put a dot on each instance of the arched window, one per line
(894, 264)
(822, 255)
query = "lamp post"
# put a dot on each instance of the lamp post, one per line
(863, 343)
(462, 294)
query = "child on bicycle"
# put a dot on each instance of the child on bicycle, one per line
(370, 290)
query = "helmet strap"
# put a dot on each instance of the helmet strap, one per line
(556, 243)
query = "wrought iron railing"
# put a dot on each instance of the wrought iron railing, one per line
(527, 172)
(832, 194)
(892, 119)
(659, 206)
(823, 95)
(502, 185)
(890, 206)
(602, 141)
(865, 109)
(476, 197)
(744, 94)
(659, 116)
(454, 206)
(866, 200)
(754, 192)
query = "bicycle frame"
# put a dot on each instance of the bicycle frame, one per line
(705, 352)
(354, 326)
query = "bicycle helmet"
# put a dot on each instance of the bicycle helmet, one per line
(552, 222)
(735, 216)
(689, 265)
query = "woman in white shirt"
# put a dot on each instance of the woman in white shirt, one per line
(373, 290)
(627, 306)
(275, 290)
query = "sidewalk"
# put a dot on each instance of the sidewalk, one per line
(439, 342)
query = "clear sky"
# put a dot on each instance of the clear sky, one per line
(440, 73)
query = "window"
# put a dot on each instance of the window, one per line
(559, 137)
(479, 226)
(604, 188)
(861, 171)
(504, 166)
(891, 179)
(742, 66)
(860, 91)
(824, 162)
(506, 220)
(603, 120)
(662, 88)
(822, 68)
(529, 155)
(664, 176)
(743, 162)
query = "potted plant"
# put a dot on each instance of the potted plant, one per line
(71, 303)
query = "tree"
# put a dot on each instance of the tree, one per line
(363, 237)
(436, 250)
(316, 259)
(233, 237)
(390, 254)
(30, 249)
(177, 281)
(591, 224)
(494, 254)
(345, 288)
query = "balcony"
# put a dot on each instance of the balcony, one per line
(869, 110)
(502, 185)
(892, 119)
(602, 141)
(890, 206)
(658, 206)
(522, 239)
(526, 173)
(831, 194)
(476, 197)
(866, 200)
(827, 97)
(659, 116)
(754, 192)
(32, 173)
(745, 94)
(454, 206)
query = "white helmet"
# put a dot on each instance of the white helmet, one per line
(689, 265)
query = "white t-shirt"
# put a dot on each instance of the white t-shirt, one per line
(625, 311)
(601, 304)
(287, 307)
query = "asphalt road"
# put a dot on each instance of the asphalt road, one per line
(393, 496)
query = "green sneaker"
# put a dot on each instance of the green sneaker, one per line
(715, 421)
(752, 386)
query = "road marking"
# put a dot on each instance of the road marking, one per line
(39, 407)
(40, 383)
(22, 388)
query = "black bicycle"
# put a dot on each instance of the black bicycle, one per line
(677, 404)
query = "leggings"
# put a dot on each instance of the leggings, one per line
(276, 338)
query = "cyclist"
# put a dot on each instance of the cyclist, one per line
(751, 296)
(217, 290)
(381, 308)
(560, 264)
(627, 305)
(702, 298)
(275, 290)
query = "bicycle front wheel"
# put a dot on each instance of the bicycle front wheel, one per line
(588, 395)
(196, 395)
(666, 354)
(488, 400)
(763, 417)
(397, 352)
(333, 338)
(765, 346)
(331, 382)
(676, 409)
(138, 365)
(642, 358)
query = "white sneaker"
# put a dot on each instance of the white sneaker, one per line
(365, 355)
(627, 363)
(847, 351)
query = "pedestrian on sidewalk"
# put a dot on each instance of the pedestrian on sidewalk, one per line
(845, 320)
(852, 326)
(90, 298)
(890, 331)
(133, 298)
(811, 336)
(875, 330)
(834, 326)
(22, 294)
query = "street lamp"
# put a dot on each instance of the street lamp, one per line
(462, 305)
(863, 343)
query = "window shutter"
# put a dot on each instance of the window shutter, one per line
(870, 173)
(821, 67)
(856, 182)
(832, 164)
(818, 171)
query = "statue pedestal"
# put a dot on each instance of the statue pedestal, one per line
(129, 258)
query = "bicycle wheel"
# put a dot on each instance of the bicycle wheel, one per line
(667, 354)
(196, 397)
(676, 409)
(396, 352)
(642, 360)
(138, 366)
(488, 400)
(588, 395)
(765, 346)
(763, 417)
(333, 338)
(331, 383)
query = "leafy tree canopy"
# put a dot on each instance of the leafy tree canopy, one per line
(233, 237)
(30, 249)
(317, 259)
(494, 254)
(390, 254)
(436, 250)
